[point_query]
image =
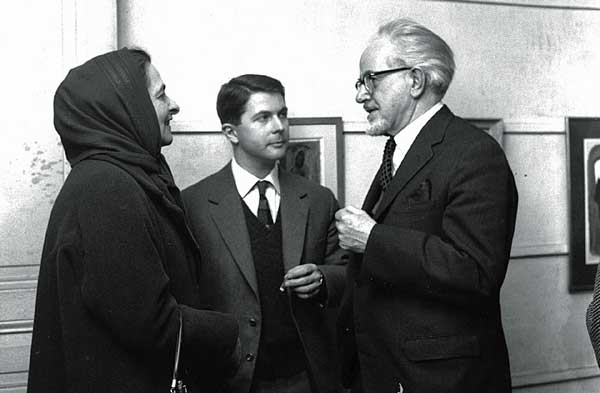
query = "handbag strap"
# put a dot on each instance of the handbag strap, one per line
(177, 351)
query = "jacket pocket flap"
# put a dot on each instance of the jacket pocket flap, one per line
(434, 348)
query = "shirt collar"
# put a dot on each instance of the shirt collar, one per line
(410, 132)
(245, 181)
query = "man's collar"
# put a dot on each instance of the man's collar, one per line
(417, 125)
(245, 181)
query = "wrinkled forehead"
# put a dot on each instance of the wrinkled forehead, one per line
(378, 55)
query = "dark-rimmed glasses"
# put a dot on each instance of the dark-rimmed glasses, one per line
(367, 79)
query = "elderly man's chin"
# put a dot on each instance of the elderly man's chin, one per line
(378, 127)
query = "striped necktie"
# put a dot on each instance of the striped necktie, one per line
(264, 212)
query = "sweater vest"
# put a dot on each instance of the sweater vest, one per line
(280, 352)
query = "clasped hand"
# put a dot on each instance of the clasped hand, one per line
(304, 280)
(354, 227)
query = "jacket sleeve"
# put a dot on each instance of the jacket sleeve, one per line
(465, 262)
(336, 259)
(124, 284)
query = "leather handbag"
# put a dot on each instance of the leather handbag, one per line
(177, 385)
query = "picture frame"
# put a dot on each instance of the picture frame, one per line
(316, 152)
(494, 127)
(583, 151)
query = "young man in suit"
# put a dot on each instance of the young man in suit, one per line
(433, 237)
(270, 253)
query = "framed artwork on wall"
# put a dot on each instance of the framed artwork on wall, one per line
(316, 151)
(583, 149)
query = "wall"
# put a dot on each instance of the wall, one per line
(531, 66)
(40, 42)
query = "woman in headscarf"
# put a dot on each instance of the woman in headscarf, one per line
(117, 267)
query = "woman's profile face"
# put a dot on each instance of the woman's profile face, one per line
(164, 106)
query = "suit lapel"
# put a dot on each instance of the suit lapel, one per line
(373, 194)
(419, 154)
(294, 212)
(228, 214)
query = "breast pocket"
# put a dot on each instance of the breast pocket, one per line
(423, 216)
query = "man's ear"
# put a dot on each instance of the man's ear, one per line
(230, 132)
(419, 82)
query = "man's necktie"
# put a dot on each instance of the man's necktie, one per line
(387, 166)
(264, 212)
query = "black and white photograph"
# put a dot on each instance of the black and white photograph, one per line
(300, 197)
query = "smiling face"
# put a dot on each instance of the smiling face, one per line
(261, 137)
(390, 105)
(164, 106)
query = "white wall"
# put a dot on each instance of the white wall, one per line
(531, 66)
(39, 41)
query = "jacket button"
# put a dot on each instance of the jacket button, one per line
(347, 330)
(249, 357)
(371, 278)
(252, 322)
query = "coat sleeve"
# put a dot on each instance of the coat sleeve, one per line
(336, 259)
(124, 284)
(465, 262)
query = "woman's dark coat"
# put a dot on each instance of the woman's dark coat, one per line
(117, 266)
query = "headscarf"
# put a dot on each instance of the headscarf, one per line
(102, 111)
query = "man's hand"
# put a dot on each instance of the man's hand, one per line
(354, 227)
(304, 280)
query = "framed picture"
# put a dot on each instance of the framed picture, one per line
(494, 127)
(316, 151)
(583, 141)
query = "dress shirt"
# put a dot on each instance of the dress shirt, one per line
(245, 182)
(405, 137)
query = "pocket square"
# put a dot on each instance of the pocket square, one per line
(422, 193)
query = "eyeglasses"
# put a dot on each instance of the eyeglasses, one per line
(367, 79)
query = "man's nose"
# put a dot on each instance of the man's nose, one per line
(173, 107)
(361, 94)
(277, 124)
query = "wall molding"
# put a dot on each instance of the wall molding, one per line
(535, 125)
(571, 5)
(192, 126)
(13, 382)
(530, 250)
(541, 378)
(16, 327)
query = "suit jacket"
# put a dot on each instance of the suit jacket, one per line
(228, 279)
(422, 306)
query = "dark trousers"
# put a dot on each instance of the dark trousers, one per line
(298, 383)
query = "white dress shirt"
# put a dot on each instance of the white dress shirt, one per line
(245, 182)
(406, 137)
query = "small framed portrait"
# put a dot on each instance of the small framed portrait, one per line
(316, 152)
(583, 141)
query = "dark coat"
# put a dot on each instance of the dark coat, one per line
(115, 271)
(423, 300)
(118, 261)
(228, 279)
